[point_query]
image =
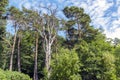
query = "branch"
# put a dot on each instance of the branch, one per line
(7, 41)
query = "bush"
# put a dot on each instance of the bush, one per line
(65, 66)
(10, 75)
(2, 75)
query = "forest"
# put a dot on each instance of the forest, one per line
(35, 50)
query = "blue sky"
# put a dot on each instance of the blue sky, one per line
(104, 13)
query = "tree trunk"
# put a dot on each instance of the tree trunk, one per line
(79, 31)
(35, 58)
(48, 59)
(19, 61)
(13, 48)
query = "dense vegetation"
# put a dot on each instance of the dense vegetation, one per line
(12, 75)
(35, 48)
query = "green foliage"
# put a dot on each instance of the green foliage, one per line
(88, 56)
(90, 68)
(27, 46)
(78, 26)
(97, 61)
(8, 75)
(65, 66)
(108, 61)
(116, 42)
(27, 54)
(2, 76)
(3, 4)
(45, 74)
(117, 63)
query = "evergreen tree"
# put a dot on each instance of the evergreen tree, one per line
(77, 27)
(3, 16)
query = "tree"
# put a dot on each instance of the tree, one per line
(47, 26)
(36, 59)
(90, 61)
(65, 65)
(77, 26)
(49, 36)
(117, 63)
(3, 4)
(92, 56)
(116, 42)
(108, 62)
(33, 15)
(27, 52)
(18, 23)
(19, 50)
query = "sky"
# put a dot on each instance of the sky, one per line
(104, 13)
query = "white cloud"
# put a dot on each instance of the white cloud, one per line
(27, 5)
(114, 14)
(118, 2)
(97, 9)
(113, 34)
(118, 11)
(114, 30)
(61, 1)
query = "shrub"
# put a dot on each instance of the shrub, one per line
(13, 75)
(2, 75)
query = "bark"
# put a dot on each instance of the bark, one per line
(12, 53)
(48, 59)
(19, 60)
(35, 58)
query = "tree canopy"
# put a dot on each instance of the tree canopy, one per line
(35, 47)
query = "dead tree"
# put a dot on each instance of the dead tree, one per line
(49, 29)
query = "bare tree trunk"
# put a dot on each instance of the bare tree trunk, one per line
(35, 58)
(49, 61)
(46, 61)
(48, 58)
(13, 48)
(19, 60)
